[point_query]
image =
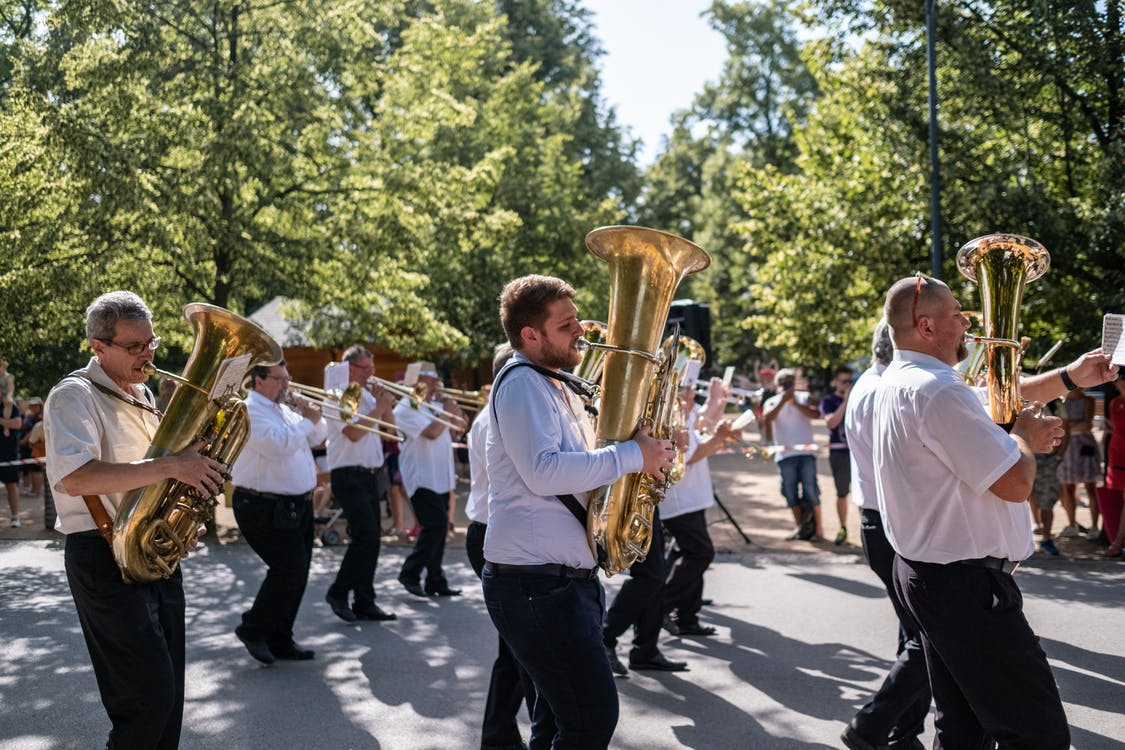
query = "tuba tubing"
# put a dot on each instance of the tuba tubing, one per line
(645, 267)
(1002, 265)
(155, 525)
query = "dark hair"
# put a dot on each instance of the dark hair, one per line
(844, 369)
(261, 372)
(524, 301)
(500, 356)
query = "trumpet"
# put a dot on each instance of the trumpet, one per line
(417, 396)
(346, 406)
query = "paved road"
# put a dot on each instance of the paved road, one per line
(803, 638)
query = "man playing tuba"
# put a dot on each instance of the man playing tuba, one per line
(540, 579)
(99, 423)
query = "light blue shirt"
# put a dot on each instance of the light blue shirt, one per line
(539, 447)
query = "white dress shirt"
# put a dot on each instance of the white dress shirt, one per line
(791, 426)
(694, 491)
(424, 463)
(858, 428)
(277, 457)
(83, 424)
(540, 447)
(476, 507)
(367, 452)
(937, 453)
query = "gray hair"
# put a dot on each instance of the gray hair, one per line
(500, 356)
(104, 312)
(882, 349)
(355, 353)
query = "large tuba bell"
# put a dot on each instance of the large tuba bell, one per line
(155, 524)
(1002, 264)
(645, 267)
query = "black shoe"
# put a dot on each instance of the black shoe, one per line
(659, 663)
(910, 744)
(340, 608)
(853, 741)
(414, 587)
(615, 664)
(706, 602)
(373, 612)
(292, 652)
(670, 625)
(257, 647)
(694, 628)
(442, 590)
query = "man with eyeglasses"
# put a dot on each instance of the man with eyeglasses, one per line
(99, 423)
(951, 488)
(355, 458)
(274, 478)
(832, 408)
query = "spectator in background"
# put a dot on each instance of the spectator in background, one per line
(34, 445)
(7, 382)
(1080, 462)
(787, 418)
(832, 408)
(11, 422)
(164, 394)
(1115, 460)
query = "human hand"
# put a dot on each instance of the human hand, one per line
(307, 409)
(658, 454)
(193, 468)
(1092, 368)
(1043, 433)
(200, 530)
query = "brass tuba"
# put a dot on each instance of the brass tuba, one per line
(645, 267)
(1002, 264)
(155, 524)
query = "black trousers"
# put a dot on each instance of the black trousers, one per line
(509, 686)
(356, 490)
(683, 590)
(432, 511)
(280, 531)
(898, 710)
(135, 635)
(639, 602)
(991, 681)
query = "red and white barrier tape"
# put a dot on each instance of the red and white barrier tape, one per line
(23, 462)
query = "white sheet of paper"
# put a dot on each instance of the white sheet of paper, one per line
(336, 375)
(413, 370)
(1113, 343)
(728, 376)
(232, 373)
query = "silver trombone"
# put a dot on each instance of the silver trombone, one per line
(417, 397)
(346, 406)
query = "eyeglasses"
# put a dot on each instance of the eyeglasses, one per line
(138, 347)
(917, 294)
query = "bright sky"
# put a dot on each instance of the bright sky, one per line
(658, 56)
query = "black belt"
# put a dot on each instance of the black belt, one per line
(272, 496)
(547, 569)
(993, 563)
(364, 469)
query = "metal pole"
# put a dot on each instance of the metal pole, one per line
(935, 164)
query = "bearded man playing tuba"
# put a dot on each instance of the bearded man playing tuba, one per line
(99, 422)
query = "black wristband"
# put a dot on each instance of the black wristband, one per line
(1070, 384)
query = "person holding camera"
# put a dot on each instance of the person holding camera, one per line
(788, 417)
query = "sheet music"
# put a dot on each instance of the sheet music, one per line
(728, 376)
(232, 373)
(1113, 343)
(413, 371)
(336, 376)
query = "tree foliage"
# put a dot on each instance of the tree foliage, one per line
(386, 165)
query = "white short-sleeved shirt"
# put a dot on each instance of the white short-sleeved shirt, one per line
(476, 507)
(791, 426)
(695, 490)
(82, 424)
(936, 453)
(343, 451)
(858, 428)
(277, 456)
(424, 463)
(540, 447)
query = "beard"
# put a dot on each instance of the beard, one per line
(557, 357)
(962, 351)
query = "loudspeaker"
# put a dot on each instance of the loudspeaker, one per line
(695, 321)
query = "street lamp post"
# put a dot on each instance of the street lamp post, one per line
(935, 164)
